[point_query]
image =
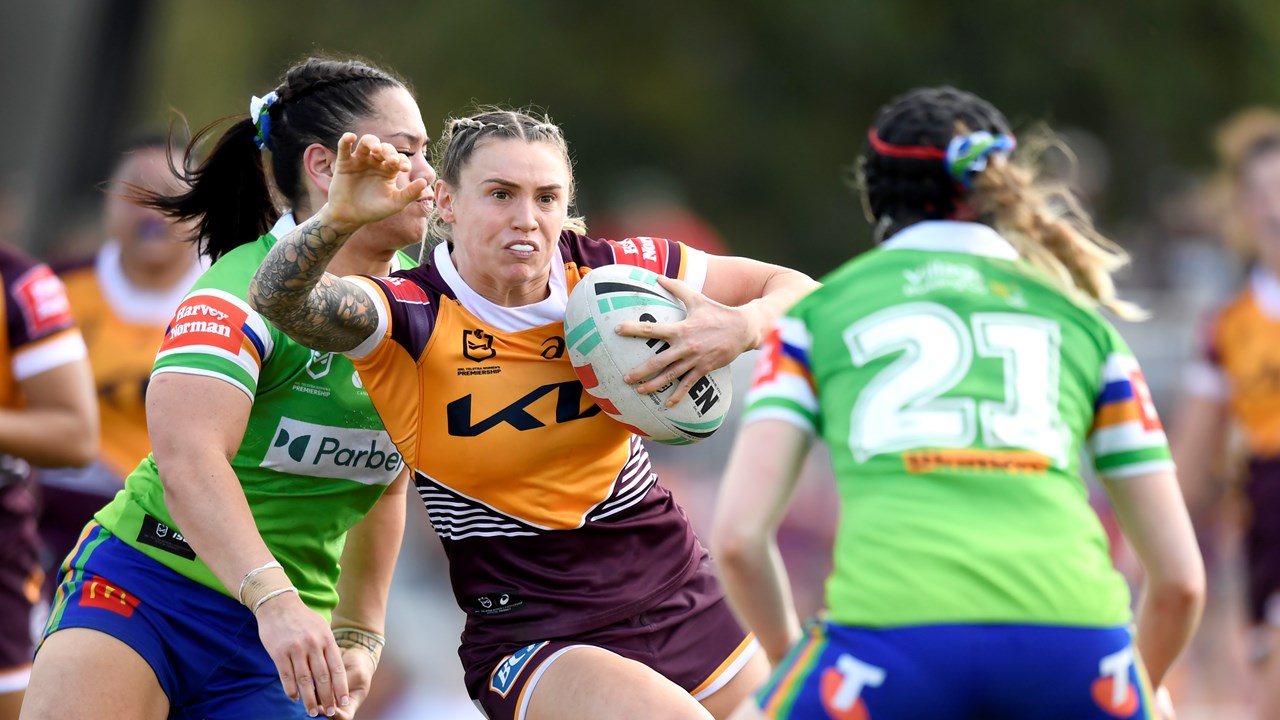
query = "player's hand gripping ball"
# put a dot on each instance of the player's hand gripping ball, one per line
(613, 294)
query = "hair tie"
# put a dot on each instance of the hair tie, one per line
(967, 154)
(909, 152)
(260, 114)
(475, 124)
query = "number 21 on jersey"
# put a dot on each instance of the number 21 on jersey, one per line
(902, 408)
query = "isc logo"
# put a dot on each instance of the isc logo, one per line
(365, 456)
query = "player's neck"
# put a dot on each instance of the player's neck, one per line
(153, 277)
(356, 259)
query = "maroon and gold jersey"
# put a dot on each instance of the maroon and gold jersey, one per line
(548, 509)
(36, 335)
(1239, 363)
(123, 326)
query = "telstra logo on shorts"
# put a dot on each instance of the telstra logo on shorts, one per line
(303, 448)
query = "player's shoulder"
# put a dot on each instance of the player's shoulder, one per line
(76, 267)
(233, 271)
(15, 263)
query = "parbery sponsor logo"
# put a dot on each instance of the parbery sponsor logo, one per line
(303, 448)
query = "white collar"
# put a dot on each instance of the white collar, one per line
(1266, 291)
(283, 225)
(507, 319)
(135, 305)
(952, 236)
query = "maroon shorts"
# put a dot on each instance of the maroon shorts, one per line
(691, 638)
(20, 574)
(1262, 540)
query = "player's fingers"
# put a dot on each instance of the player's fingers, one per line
(288, 680)
(632, 328)
(680, 289)
(346, 145)
(651, 370)
(687, 381)
(322, 678)
(668, 375)
(306, 685)
(338, 678)
(364, 147)
(415, 190)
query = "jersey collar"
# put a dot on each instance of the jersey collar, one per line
(1266, 291)
(507, 319)
(952, 236)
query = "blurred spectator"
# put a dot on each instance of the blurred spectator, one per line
(47, 415)
(1232, 386)
(122, 298)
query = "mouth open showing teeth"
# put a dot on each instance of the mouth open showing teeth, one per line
(522, 247)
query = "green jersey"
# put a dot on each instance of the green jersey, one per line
(314, 458)
(956, 389)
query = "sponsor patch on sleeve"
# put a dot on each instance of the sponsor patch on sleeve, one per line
(206, 320)
(405, 290)
(646, 252)
(43, 301)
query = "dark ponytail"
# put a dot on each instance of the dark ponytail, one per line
(228, 195)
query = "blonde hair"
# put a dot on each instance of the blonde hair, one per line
(1044, 220)
(463, 135)
(1240, 139)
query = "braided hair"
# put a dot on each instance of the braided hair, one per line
(904, 178)
(463, 135)
(229, 195)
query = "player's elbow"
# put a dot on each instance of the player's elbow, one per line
(1182, 591)
(736, 545)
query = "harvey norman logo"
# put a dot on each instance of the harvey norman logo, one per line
(302, 448)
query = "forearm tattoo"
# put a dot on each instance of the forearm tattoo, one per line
(315, 308)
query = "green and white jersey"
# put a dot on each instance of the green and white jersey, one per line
(315, 457)
(956, 388)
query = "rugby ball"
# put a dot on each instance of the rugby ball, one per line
(612, 294)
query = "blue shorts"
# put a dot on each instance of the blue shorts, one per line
(202, 644)
(960, 672)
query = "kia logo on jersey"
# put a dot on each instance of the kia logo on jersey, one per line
(477, 345)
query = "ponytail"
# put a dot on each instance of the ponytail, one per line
(1050, 229)
(228, 196)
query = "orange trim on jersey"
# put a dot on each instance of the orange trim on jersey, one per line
(1117, 414)
(684, 261)
(923, 461)
(728, 662)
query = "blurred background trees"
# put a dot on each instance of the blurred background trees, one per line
(749, 112)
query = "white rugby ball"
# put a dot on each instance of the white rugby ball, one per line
(602, 299)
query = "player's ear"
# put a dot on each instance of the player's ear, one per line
(318, 163)
(444, 202)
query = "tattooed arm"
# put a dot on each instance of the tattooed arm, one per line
(291, 288)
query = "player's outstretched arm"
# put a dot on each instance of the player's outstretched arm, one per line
(291, 287)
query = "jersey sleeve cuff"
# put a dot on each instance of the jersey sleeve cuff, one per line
(369, 344)
(46, 354)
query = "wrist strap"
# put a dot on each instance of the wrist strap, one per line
(352, 637)
(274, 593)
(253, 573)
